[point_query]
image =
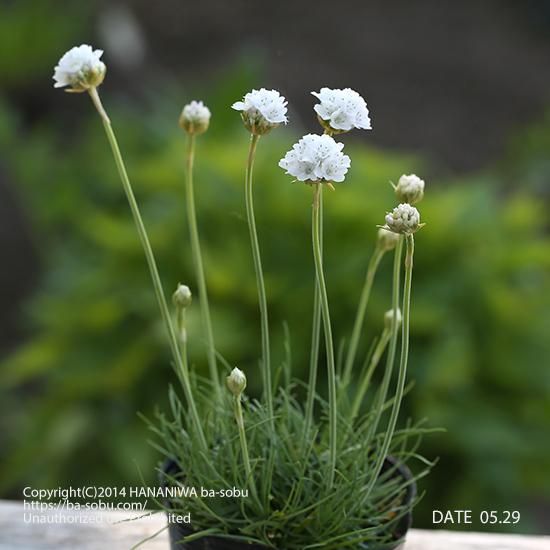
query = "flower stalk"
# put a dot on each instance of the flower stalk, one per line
(315, 338)
(373, 363)
(244, 445)
(394, 326)
(236, 384)
(360, 315)
(179, 361)
(402, 373)
(315, 328)
(331, 369)
(264, 321)
(198, 263)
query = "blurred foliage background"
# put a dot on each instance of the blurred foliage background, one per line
(83, 347)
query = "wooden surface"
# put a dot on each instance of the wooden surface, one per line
(108, 531)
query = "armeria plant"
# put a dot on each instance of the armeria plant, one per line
(314, 472)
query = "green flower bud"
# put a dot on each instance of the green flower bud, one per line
(236, 382)
(409, 189)
(182, 296)
(387, 240)
(195, 118)
(388, 318)
(403, 219)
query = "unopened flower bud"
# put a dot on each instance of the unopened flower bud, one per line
(195, 118)
(387, 240)
(388, 318)
(80, 68)
(236, 382)
(182, 296)
(404, 219)
(409, 189)
(262, 110)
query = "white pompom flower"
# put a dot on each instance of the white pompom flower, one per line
(80, 68)
(410, 188)
(195, 117)
(262, 110)
(341, 110)
(404, 219)
(316, 158)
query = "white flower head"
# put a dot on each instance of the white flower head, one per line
(409, 189)
(388, 318)
(387, 240)
(262, 110)
(195, 117)
(236, 382)
(316, 158)
(182, 296)
(80, 68)
(341, 110)
(404, 219)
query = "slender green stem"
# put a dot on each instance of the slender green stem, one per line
(390, 359)
(172, 337)
(375, 359)
(266, 354)
(315, 331)
(315, 338)
(402, 374)
(244, 446)
(331, 370)
(360, 315)
(199, 268)
(181, 323)
(184, 370)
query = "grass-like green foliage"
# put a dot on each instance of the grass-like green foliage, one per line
(95, 351)
(295, 508)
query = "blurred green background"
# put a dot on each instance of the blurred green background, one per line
(82, 345)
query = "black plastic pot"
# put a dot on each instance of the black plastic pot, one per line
(177, 531)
